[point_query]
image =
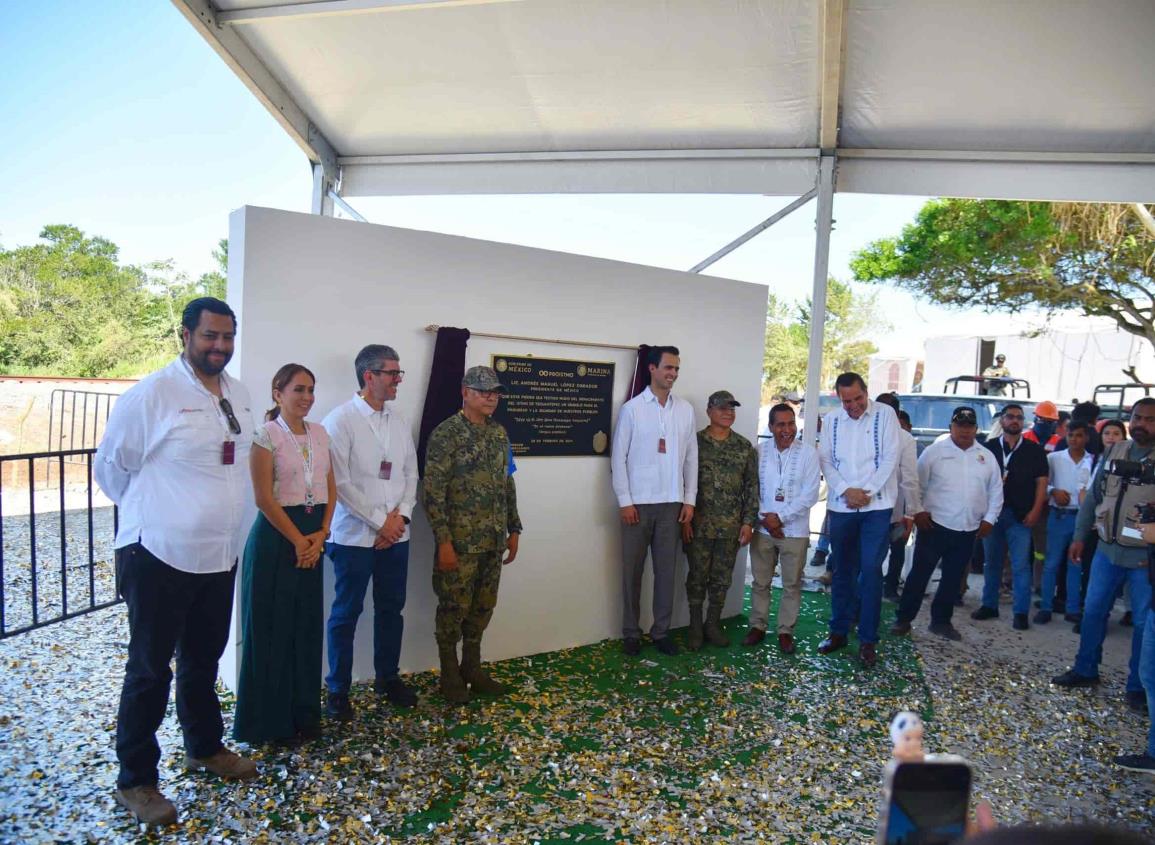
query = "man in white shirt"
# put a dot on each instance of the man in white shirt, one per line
(962, 495)
(859, 452)
(1070, 476)
(375, 467)
(907, 503)
(788, 479)
(175, 459)
(655, 479)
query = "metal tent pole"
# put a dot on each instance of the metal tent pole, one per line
(824, 218)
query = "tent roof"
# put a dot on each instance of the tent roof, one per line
(1040, 99)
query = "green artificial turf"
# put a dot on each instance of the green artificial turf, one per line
(737, 744)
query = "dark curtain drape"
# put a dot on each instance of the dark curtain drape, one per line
(443, 396)
(641, 378)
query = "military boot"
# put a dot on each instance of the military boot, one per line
(453, 688)
(694, 638)
(475, 676)
(714, 633)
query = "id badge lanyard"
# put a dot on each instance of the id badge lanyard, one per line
(661, 426)
(1007, 458)
(228, 446)
(385, 468)
(784, 481)
(306, 455)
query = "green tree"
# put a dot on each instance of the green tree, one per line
(1007, 256)
(850, 317)
(69, 307)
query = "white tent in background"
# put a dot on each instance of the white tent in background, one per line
(1034, 99)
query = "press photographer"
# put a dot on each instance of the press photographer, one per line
(1145, 762)
(1123, 484)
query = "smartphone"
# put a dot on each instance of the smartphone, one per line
(926, 803)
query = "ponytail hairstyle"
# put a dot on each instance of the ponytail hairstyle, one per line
(281, 381)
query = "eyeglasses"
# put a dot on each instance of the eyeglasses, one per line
(234, 423)
(1013, 416)
(390, 373)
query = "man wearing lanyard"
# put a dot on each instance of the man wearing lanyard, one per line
(1070, 476)
(1023, 466)
(962, 494)
(788, 480)
(1113, 509)
(375, 467)
(859, 451)
(175, 459)
(655, 479)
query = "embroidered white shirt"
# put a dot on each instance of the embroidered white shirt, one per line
(862, 453)
(793, 472)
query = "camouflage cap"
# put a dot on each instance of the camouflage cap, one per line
(481, 378)
(722, 399)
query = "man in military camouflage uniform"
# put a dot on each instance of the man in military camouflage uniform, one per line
(724, 517)
(471, 502)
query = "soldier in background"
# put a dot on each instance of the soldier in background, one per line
(995, 386)
(471, 501)
(724, 516)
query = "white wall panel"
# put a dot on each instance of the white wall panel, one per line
(315, 290)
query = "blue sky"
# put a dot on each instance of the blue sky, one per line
(121, 120)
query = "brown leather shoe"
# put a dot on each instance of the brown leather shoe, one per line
(754, 636)
(148, 805)
(868, 654)
(832, 643)
(225, 763)
(786, 643)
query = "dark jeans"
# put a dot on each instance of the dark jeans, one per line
(894, 565)
(858, 541)
(353, 567)
(953, 549)
(169, 612)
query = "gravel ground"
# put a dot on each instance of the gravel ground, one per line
(1040, 753)
(62, 564)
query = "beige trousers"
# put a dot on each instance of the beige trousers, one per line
(766, 553)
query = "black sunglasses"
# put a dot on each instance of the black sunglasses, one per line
(234, 423)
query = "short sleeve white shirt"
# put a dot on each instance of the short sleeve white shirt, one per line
(960, 488)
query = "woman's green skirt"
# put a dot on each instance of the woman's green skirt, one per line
(282, 613)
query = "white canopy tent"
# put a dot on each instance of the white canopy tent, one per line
(1031, 99)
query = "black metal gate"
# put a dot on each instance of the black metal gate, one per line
(56, 542)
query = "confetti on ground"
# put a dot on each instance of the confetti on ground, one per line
(734, 745)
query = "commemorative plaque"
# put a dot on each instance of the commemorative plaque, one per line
(553, 407)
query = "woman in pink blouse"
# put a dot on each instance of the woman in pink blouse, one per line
(279, 690)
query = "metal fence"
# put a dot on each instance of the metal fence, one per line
(56, 547)
(76, 421)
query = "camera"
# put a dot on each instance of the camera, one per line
(1132, 472)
